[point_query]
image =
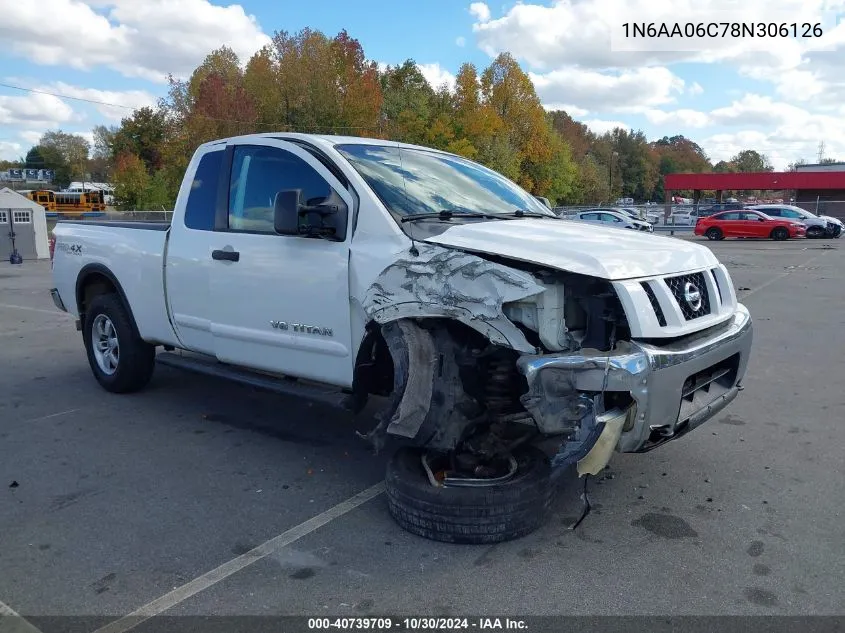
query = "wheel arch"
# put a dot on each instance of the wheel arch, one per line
(96, 279)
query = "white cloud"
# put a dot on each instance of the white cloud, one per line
(682, 117)
(755, 110)
(461, 41)
(34, 110)
(589, 33)
(124, 102)
(600, 126)
(437, 76)
(9, 150)
(571, 110)
(695, 89)
(480, 11)
(30, 137)
(138, 39)
(624, 91)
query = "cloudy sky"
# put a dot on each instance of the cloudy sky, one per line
(779, 95)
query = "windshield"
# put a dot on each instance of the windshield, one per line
(414, 181)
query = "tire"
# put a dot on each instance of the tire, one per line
(815, 232)
(714, 234)
(491, 514)
(135, 358)
(780, 234)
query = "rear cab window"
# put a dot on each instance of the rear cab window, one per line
(202, 199)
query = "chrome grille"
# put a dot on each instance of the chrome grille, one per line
(678, 286)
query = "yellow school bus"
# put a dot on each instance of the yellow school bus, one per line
(73, 202)
(43, 197)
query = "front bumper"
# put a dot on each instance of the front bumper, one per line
(674, 387)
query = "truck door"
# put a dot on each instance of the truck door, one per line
(188, 262)
(280, 303)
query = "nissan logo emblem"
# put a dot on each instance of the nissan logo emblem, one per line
(692, 296)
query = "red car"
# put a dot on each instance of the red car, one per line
(748, 223)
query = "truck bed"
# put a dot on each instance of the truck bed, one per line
(130, 253)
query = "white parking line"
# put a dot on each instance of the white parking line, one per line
(53, 312)
(782, 275)
(52, 415)
(18, 624)
(180, 594)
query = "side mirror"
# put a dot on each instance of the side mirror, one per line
(762, 219)
(327, 219)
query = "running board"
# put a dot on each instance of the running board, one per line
(286, 386)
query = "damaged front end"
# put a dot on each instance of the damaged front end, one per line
(488, 354)
(661, 392)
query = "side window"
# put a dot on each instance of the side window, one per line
(202, 200)
(590, 216)
(729, 216)
(258, 174)
(789, 213)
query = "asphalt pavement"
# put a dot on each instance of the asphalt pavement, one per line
(201, 497)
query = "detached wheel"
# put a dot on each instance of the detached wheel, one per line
(815, 232)
(491, 513)
(121, 361)
(714, 234)
(780, 234)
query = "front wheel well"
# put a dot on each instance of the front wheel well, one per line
(374, 368)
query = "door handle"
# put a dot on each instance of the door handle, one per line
(228, 256)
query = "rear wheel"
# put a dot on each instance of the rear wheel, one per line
(714, 234)
(121, 360)
(506, 505)
(780, 234)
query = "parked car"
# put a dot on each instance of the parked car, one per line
(748, 223)
(612, 217)
(817, 226)
(504, 342)
(634, 213)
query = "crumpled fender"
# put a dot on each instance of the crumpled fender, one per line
(443, 282)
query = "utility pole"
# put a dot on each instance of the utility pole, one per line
(821, 151)
(610, 176)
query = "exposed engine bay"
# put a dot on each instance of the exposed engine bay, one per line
(456, 393)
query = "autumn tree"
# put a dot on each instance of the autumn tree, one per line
(749, 160)
(636, 173)
(324, 84)
(66, 154)
(131, 180)
(34, 159)
(142, 134)
(527, 146)
(406, 105)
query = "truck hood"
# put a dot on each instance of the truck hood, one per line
(586, 249)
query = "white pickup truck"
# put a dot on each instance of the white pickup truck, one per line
(503, 343)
